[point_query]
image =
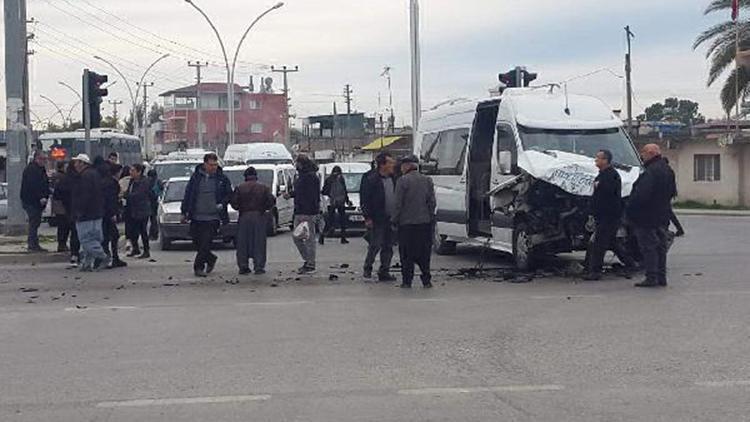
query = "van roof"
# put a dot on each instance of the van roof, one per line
(540, 108)
(259, 167)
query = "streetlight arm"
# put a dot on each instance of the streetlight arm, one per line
(72, 89)
(70, 113)
(216, 31)
(56, 106)
(247, 31)
(148, 69)
(130, 89)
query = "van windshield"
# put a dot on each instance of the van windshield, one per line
(582, 142)
(237, 177)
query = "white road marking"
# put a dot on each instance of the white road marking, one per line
(471, 390)
(182, 401)
(428, 300)
(292, 303)
(568, 297)
(722, 384)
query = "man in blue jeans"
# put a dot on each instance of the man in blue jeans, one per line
(88, 212)
(34, 196)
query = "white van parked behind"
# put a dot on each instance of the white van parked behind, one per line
(516, 172)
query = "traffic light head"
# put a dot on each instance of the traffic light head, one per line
(509, 79)
(529, 77)
(95, 93)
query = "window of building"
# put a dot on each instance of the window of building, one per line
(223, 102)
(254, 105)
(256, 128)
(707, 167)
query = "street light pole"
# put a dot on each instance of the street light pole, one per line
(72, 89)
(231, 68)
(59, 111)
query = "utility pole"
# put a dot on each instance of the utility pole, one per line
(285, 71)
(348, 98)
(146, 124)
(628, 70)
(416, 68)
(115, 103)
(16, 124)
(391, 119)
(199, 106)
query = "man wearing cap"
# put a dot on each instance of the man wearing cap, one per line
(34, 195)
(88, 212)
(253, 200)
(414, 218)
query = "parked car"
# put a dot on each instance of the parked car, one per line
(168, 169)
(258, 153)
(280, 178)
(171, 226)
(352, 173)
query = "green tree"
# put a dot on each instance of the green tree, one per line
(110, 122)
(156, 113)
(721, 51)
(673, 109)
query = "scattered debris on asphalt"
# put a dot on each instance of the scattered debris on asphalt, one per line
(333, 277)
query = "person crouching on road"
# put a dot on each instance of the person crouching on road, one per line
(649, 209)
(378, 202)
(204, 207)
(338, 198)
(88, 212)
(112, 207)
(253, 200)
(138, 209)
(414, 218)
(306, 194)
(34, 195)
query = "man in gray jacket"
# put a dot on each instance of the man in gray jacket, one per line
(414, 218)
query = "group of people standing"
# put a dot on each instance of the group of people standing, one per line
(89, 198)
(402, 209)
(647, 216)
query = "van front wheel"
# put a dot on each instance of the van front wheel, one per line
(442, 246)
(523, 253)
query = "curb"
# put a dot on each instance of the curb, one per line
(27, 258)
(712, 213)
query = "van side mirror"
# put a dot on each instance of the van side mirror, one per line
(505, 162)
(281, 189)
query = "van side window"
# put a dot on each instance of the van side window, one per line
(447, 154)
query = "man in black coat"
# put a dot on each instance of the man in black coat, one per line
(111, 191)
(649, 210)
(34, 195)
(606, 209)
(378, 201)
(205, 207)
(306, 194)
(338, 199)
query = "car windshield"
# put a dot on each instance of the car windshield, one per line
(583, 142)
(353, 181)
(166, 171)
(237, 177)
(175, 191)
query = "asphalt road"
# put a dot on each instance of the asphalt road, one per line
(151, 343)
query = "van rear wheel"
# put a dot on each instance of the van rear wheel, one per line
(442, 246)
(524, 255)
(273, 225)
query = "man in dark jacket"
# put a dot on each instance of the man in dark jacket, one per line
(156, 188)
(306, 194)
(606, 210)
(253, 200)
(88, 212)
(63, 192)
(34, 196)
(111, 193)
(378, 199)
(205, 207)
(338, 198)
(138, 209)
(414, 218)
(59, 213)
(649, 210)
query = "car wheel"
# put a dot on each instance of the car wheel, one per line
(273, 225)
(441, 246)
(523, 253)
(166, 243)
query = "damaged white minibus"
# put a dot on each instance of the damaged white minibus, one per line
(515, 173)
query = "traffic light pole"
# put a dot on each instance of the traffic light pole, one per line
(86, 112)
(16, 124)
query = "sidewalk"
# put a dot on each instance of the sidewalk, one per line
(13, 251)
(709, 212)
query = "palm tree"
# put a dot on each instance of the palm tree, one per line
(721, 52)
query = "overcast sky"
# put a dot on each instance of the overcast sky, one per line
(465, 43)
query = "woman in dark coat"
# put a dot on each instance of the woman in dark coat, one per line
(138, 210)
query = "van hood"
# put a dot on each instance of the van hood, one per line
(573, 173)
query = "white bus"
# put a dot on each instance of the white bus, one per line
(62, 146)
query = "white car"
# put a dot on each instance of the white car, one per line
(168, 169)
(278, 177)
(353, 173)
